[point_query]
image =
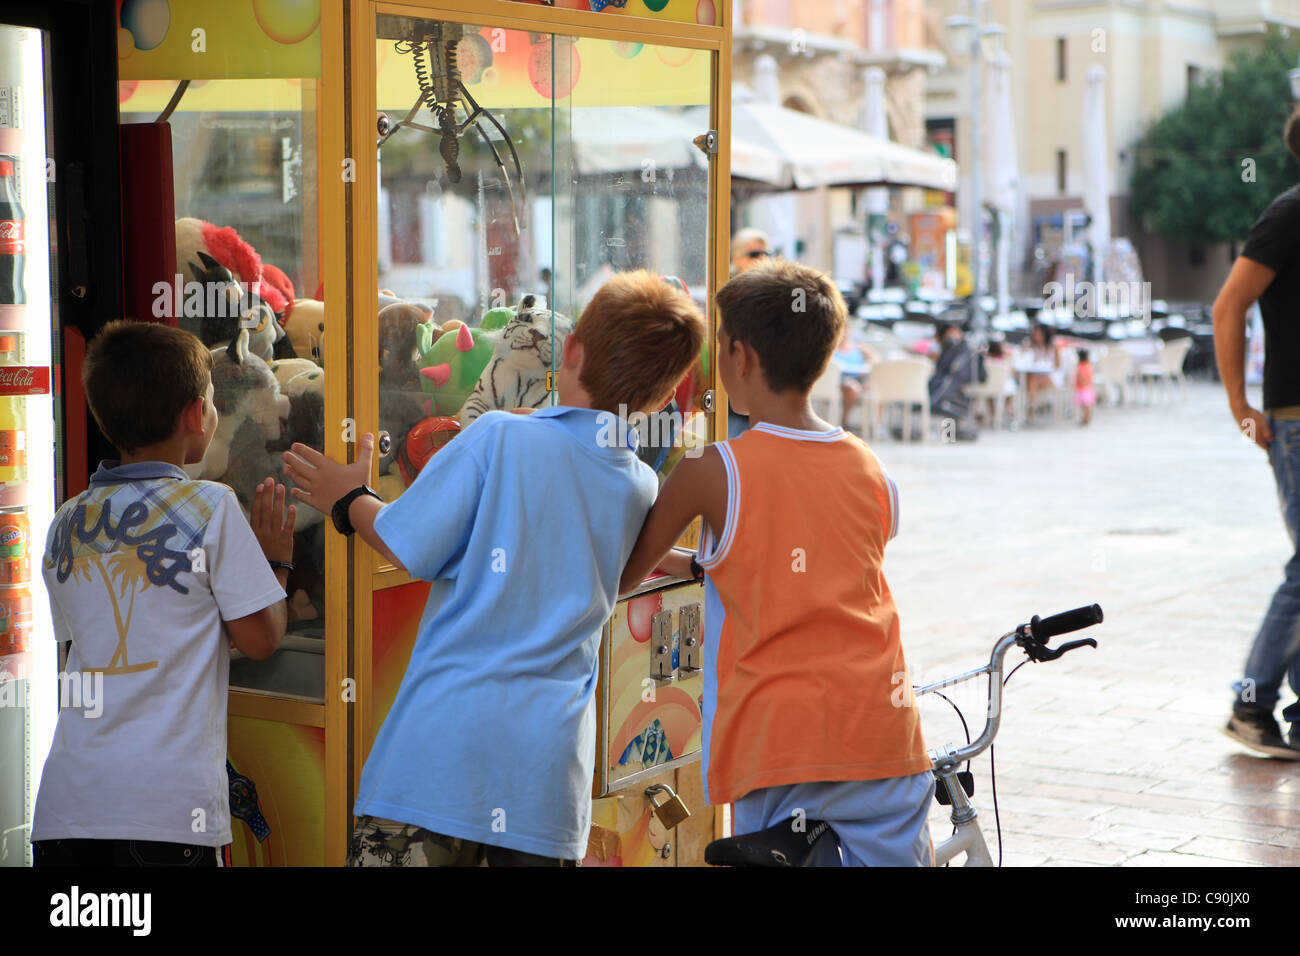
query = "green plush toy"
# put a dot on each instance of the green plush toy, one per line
(451, 363)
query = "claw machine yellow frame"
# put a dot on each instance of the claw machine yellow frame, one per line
(419, 174)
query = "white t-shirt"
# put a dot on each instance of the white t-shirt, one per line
(142, 568)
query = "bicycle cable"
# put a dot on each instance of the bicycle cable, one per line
(993, 776)
(965, 730)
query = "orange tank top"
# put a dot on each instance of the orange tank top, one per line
(805, 679)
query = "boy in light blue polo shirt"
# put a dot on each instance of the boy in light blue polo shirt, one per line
(522, 525)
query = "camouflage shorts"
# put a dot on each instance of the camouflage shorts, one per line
(379, 842)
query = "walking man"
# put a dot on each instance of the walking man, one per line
(1268, 271)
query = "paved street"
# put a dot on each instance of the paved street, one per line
(1169, 520)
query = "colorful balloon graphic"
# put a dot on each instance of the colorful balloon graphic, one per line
(706, 13)
(148, 21)
(654, 6)
(673, 56)
(547, 80)
(287, 21)
(625, 49)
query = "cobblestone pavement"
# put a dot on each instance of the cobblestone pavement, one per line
(1168, 519)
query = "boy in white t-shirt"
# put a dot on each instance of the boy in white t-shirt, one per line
(152, 577)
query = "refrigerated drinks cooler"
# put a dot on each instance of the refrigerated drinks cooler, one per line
(53, 193)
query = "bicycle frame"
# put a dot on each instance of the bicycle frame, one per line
(968, 838)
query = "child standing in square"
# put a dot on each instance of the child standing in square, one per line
(153, 576)
(522, 525)
(1084, 395)
(808, 708)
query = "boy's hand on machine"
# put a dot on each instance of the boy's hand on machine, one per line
(272, 524)
(320, 481)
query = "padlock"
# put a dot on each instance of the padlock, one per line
(672, 811)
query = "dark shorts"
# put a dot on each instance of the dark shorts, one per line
(126, 853)
(379, 842)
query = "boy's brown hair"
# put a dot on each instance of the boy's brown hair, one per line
(640, 336)
(139, 376)
(791, 315)
(1291, 133)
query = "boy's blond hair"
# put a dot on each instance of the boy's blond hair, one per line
(640, 336)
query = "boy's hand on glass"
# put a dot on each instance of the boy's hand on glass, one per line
(320, 481)
(272, 524)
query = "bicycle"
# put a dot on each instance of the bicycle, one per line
(813, 842)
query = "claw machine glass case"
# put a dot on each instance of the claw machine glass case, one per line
(519, 165)
(219, 105)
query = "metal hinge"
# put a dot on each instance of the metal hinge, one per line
(707, 143)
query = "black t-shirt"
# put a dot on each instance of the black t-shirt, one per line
(1275, 242)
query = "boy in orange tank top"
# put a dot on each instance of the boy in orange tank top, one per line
(808, 707)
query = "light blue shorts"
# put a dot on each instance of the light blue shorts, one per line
(878, 822)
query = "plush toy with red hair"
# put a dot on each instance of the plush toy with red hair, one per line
(207, 253)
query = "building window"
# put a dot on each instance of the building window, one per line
(1062, 171)
(1193, 78)
(1060, 59)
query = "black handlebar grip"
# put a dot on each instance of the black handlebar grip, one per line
(1065, 622)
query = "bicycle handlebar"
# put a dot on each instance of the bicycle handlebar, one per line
(1032, 639)
(1044, 629)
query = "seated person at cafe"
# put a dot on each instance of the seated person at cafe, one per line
(956, 367)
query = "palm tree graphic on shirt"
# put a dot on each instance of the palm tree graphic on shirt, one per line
(124, 578)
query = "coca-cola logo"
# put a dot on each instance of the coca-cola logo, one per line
(12, 229)
(24, 380)
(19, 376)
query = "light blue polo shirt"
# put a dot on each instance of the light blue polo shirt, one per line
(523, 525)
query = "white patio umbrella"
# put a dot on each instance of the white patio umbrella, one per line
(1096, 173)
(820, 153)
(1002, 171)
(875, 123)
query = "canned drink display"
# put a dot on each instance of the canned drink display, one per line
(15, 548)
(15, 620)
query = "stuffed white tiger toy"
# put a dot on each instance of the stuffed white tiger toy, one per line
(524, 351)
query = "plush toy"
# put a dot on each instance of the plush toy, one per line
(399, 342)
(221, 315)
(199, 244)
(450, 365)
(424, 441)
(305, 326)
(252, 412)
(530, 345)
(285, 370)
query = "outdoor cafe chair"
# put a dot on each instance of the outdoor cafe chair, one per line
(900, 381)
(1167, 367)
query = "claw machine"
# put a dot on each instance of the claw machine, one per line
(525, 153)
(360, 202)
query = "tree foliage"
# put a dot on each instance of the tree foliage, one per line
(1192, 181)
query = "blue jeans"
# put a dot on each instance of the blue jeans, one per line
(1276, 651)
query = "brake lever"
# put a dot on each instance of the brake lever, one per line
(1041, 652)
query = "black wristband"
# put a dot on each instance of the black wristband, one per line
(278, 565)
(697, 572)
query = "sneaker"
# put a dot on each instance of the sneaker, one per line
(1256, 730)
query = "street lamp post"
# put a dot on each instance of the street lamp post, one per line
(980, 34)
